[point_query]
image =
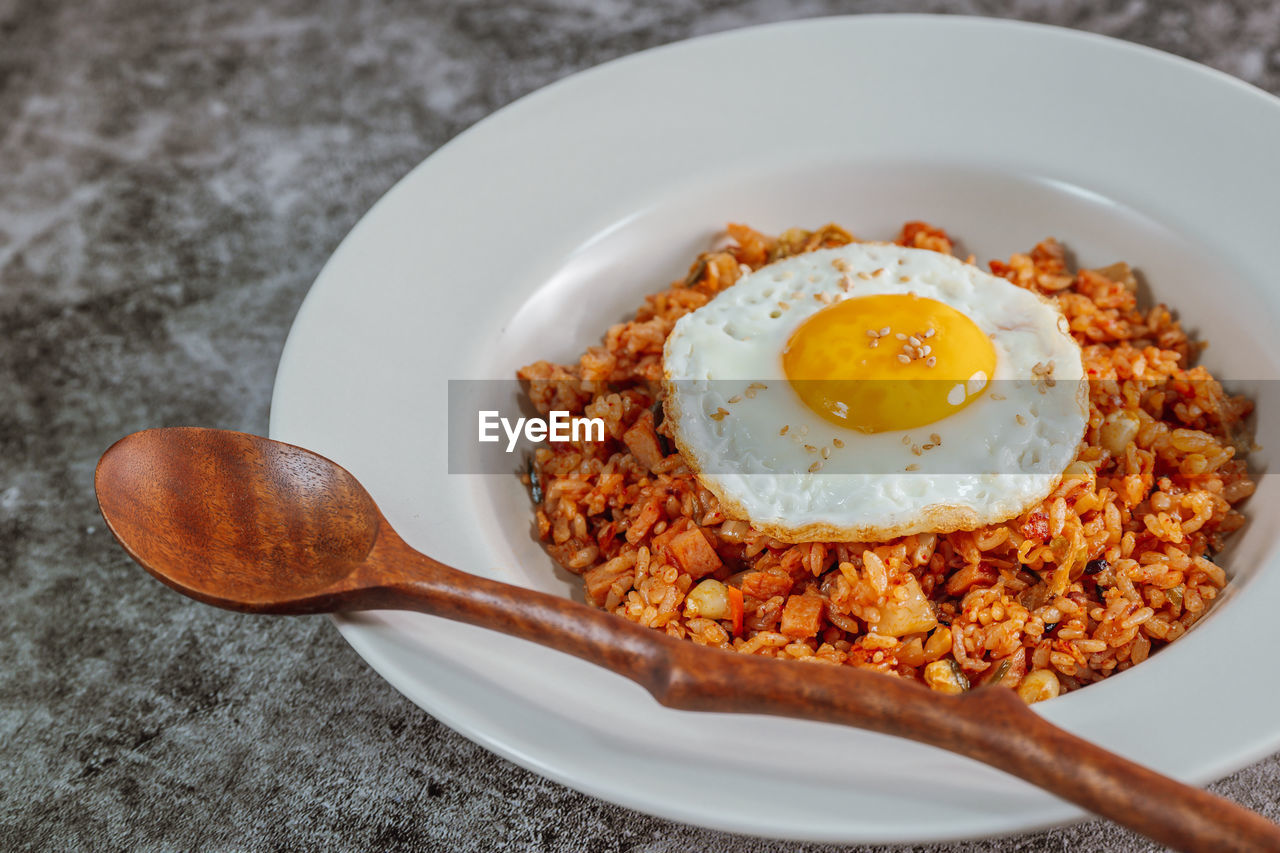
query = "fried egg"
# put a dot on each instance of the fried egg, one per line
(872, 391)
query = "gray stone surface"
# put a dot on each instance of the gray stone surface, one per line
(172, 177)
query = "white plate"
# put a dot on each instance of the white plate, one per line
(530, 233)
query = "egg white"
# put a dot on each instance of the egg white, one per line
(997, 457)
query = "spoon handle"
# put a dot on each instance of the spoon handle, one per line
(991, 725)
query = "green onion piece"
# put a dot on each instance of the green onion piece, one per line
(535, 483)
(961, 678)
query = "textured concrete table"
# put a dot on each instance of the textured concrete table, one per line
(172, 177)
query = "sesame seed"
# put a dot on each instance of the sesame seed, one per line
(931, 361)
(913, 467)
(804, 430)
(1020, 419)
(784, 306)
(744, 269)
(837, 442)
(900, 336)
(875, 273)
(784, 429)
(875, 342)
(862, 275)
(846, 282)
(872, 333)
(810, 448)
(929, 333)
(886, 330)
(926, 349)
(904, 278)
(719, 414)
(759, 386)
(815, 467)
(826, 453)
(935, 438)
(906, 439)
(929, 446)
(736, 398)
(904, 359)
(751, 393)
(995, 396)
(915, 342)
(841, 264)
(916, 451)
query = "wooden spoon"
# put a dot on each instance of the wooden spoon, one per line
(255, 525)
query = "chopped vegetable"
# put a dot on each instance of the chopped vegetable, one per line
(736, 609)
(1007, 671)
(695, 272)
(535, 482)
(998, 673)
(1118, 431)
(1038, 685)
(961, 678)
(907, 615)
(1096, 566)
(973, 575)
(938, 645)
(709, 600)
(945, 676)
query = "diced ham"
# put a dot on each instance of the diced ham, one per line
(801, 617)
(661, 543)
(642, 441)
(694, 553)
(765, 585)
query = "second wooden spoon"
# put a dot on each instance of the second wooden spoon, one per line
(256, 525)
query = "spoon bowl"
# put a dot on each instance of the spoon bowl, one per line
(256, 525)
(235, 521)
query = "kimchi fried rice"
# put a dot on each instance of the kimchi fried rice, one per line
(1113, 564)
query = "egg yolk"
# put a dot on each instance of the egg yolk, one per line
(893, 361)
